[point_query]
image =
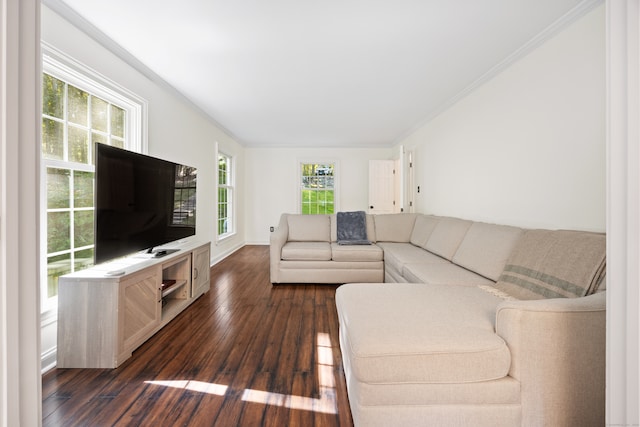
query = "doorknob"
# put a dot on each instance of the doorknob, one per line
(370, 207)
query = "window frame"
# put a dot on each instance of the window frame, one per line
(72, 72)
(336, 180)
(230, 187)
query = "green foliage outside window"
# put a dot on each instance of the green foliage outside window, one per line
(317, 202)
(78, 106)
(52, 96)
(317, 188)
(223, 211)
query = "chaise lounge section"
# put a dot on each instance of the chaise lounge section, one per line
(451, 355)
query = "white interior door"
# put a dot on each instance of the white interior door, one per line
(398, 200)
(382, 186)
(410, 183)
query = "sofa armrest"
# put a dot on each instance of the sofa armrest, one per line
(558, 354)
(277, 239)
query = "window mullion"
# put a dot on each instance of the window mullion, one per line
(72, 219)
(59, 164)
(63, 252)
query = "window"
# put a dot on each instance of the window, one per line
(78, 110)
(317, 188)
(184, 197)
(225, 196)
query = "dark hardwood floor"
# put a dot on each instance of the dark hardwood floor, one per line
(245, 354)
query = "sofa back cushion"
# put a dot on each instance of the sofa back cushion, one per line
(394, 227)
(447, 236)
(486, 248)
(371, 228)
(424, 226)
(309, 228)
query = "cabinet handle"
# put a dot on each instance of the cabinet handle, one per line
(195, 273)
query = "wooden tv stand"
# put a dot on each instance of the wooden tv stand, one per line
(107, 311)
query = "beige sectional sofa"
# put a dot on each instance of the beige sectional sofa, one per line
(477, 324)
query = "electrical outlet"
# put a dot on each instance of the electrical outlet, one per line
(271, 229)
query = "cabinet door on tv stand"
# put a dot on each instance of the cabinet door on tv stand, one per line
(141, 306)
(200, 274)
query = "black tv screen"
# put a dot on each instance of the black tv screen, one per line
(142, 202)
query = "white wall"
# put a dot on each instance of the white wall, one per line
(176, 131)
(272, 178)
(527, 147)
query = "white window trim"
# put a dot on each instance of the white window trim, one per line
(62, 66)
(232, 184)
(336, 180)
(66, 68)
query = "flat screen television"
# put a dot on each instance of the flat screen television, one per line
(141, 203)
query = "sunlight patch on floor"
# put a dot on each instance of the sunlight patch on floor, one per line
(199, 386)
(326, 403)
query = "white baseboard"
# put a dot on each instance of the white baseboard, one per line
(48, 360)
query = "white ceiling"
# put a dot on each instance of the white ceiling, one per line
(347, 73)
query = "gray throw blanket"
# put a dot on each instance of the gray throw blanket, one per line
(554, 264)
(352, 228)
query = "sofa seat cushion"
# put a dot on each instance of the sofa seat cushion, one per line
(412, 333)
(348, 253)
(505, 390)
(442, 274)
(396, 255)
(306, 251)
(392, 276)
